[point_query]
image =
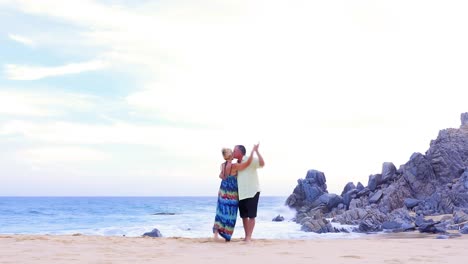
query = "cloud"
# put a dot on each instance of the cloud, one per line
(25, 72)
(23, 40)
(63, 154)
(43, 103)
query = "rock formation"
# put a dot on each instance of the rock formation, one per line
(428, 185)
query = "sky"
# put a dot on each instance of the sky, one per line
(137, 98)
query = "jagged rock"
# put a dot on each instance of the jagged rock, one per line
(410, 202)
(317, 225)
(464, 120)
(431, 184)
(359, 186)
(394, 196)
(372, 222)
(351, 217)
(390, 225)
(464, 230)
(376, 197)
(358, 203)
(397, 227)
(308, 189)
(154, 233)
(335, 211)
(419, 174)
(448, 154)
(348, 187)
(459, 192)
(357, 215)
(374, 181)
(363, 192)
(427, 227)
(402, 216)
(278, 218)
(330, 200)
(388, 171)
(347, 197)
(460, 217)
(292, 200)
(314, 221)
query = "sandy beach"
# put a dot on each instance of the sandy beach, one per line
(399, 248)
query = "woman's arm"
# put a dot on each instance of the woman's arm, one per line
(221, 173)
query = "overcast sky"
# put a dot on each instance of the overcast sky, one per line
(138, 97)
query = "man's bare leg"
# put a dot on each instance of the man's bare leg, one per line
(245, 223)
(250, 227)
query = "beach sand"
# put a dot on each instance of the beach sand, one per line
(397, 248)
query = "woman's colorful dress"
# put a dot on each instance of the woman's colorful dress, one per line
(226, 211)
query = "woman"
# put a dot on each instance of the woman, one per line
(228, 198)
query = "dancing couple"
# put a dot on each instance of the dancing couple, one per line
(239, 190)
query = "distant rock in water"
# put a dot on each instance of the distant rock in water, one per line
(430, 184)
(154, 233)
(278, 218)
(164, 214)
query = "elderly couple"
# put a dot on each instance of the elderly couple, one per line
(239, 190)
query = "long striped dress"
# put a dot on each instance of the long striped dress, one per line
(226, 210)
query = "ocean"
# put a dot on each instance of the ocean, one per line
(190, 217)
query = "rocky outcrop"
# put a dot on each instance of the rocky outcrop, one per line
(434, 183)
(308, 190)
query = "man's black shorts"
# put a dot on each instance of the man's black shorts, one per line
(248, 207)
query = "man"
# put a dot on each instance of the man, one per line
(249, 189)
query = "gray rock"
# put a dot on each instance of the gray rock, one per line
(363, 192)
(278, 218)
(419, 175)
(464, 230)
(330, 200)
(347, 197)
(316, 177)
(348, 187)
(464, 120)
(317, 226)
(394, 226)
(431, 184)
(358, 203)
(388, 171)
(351, 217)
(391, 225)
(410, 202)
(376, 197)
(372, 222)
(374, 181)
(460, 217)
(308, 190)
(359, 186)
(401, 215)
(154, 233)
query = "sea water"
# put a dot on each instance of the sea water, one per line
(190, 217)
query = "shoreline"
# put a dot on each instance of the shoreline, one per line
(375, 248)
